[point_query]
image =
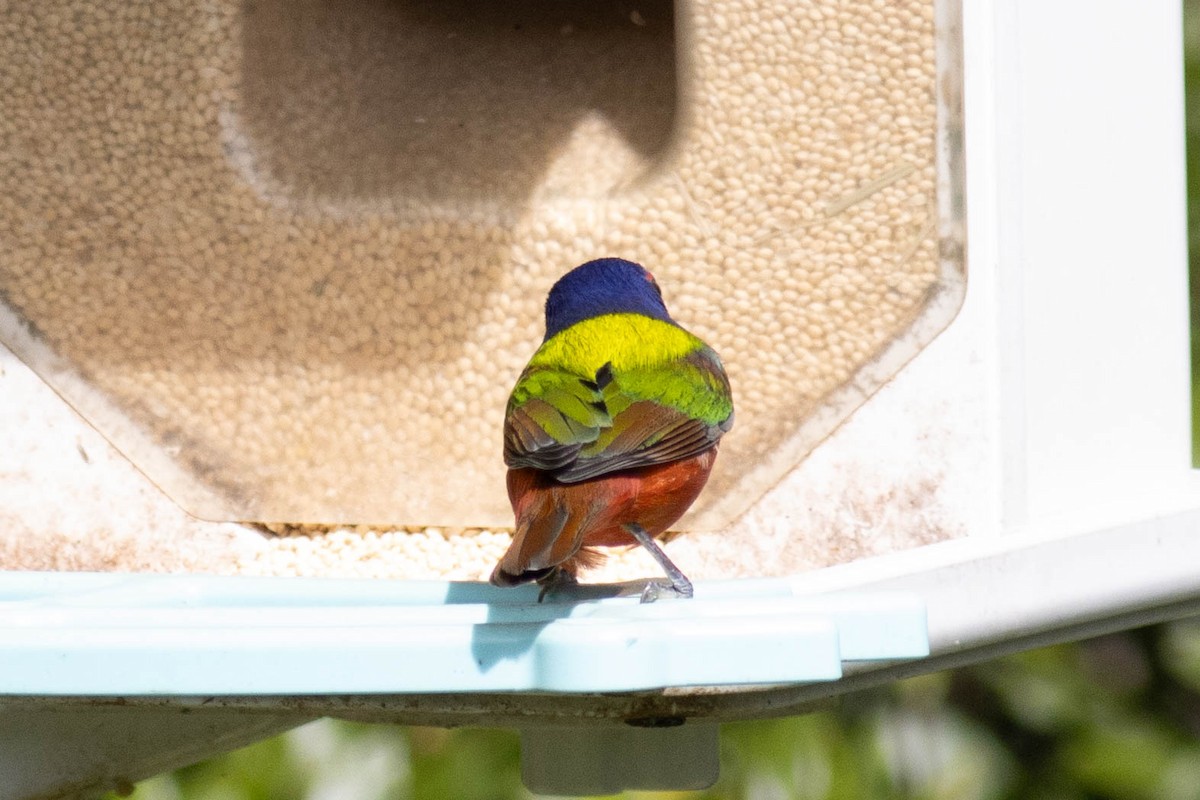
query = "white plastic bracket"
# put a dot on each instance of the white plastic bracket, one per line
(605, 760)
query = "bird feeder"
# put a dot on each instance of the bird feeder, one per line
(268, 271)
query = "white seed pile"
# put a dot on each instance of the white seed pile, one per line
(305, 245)
(367, 552)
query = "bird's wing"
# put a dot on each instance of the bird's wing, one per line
(551, 415)
(578, 427)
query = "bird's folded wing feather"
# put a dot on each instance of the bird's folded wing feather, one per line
(579, 427)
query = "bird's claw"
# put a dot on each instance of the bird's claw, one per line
(677, 583)
(656, 589)
(556, 581)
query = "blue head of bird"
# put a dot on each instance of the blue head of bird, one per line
(603, 286)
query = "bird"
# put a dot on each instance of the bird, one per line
(611, 430)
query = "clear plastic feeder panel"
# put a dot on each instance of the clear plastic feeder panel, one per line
(290, 257)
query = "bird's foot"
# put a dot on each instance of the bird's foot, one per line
(676, 583)
(656, 589)
(555, 581)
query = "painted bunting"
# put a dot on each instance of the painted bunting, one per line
(612, 429)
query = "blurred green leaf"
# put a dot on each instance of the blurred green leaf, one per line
(1125, 759)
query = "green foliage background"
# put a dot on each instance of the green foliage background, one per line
(1116, 718)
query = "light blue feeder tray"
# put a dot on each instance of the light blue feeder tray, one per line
(87, 634)
(94, 636)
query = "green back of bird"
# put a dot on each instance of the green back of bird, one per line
(615, 392)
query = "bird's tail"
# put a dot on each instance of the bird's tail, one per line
(584, 558)
(547, 535)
